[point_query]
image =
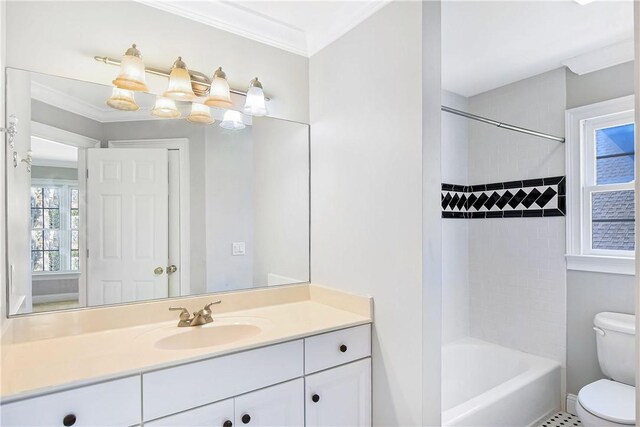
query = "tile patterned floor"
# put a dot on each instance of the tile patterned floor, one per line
(562, 419)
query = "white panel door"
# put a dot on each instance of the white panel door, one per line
(127, 224)
(339, 396)
(280, 405)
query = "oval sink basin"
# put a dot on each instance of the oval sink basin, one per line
(207, 336)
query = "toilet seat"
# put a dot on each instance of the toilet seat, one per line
(609, 400)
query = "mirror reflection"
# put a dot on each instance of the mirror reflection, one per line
(108, 206)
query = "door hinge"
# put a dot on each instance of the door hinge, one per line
(87, 173)
(87, 253)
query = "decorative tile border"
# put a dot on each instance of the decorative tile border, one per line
(541, 197)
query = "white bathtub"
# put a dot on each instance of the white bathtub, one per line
(484, 384)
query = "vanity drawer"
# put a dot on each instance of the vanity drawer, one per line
(112, 403)
(217, 414)
(335, 348)
(172, 390)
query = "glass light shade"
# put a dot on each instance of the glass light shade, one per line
(165, 108)
(200, 114)
(179, 83)
(232, 120)
(132, 75)
(219, 95)
(255, 104)
(122, 99)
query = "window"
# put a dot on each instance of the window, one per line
(55, 221)
(601, 178)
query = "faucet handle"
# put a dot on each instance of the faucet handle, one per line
(184, 315)
(208, 306)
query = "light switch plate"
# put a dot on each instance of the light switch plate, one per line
(237, 248)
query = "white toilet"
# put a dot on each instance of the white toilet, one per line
(611, 402)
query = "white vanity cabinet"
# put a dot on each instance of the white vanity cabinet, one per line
(320, 380)
(339, 396)
(111, 403)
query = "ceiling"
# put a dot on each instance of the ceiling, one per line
(303, 27)
(485, 44)
(488, 44)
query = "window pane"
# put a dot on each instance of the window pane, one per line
(36, 240)
(74, 239)
(52, 218)
(74, 198)
(75, 219)
(36, 218)
(36, 197)
(51, 261)
(36, 261)
(51, 199)
(75, 260)
(615, 155)
(51, 241)
(612, 214)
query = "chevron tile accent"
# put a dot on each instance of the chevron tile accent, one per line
(541, 197)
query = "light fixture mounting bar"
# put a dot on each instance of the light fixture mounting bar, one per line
(166, 73)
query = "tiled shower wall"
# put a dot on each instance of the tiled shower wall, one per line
(515, 274)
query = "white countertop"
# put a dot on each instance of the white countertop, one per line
(35, 367)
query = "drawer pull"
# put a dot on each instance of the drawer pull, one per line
(246, 419)
(343, 348)
(315, 398)
(69, 420)
(227, 423)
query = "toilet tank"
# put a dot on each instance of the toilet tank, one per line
(615, 341)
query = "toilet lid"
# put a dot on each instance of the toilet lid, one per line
(610, 400)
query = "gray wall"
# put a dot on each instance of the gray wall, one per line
(590, 293)
(587, 294)
(366, 197)
(63, 119)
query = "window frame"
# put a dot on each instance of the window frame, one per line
(64, 234)
(581, 124)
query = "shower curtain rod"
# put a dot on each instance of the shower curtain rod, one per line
(501, 125)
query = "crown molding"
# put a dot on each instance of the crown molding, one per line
(600, 59)
(342, 25)
(238, 20)
(243, 21)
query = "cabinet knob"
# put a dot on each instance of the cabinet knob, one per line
(315, 398)
(343, 348)
(246, 419)
(227, 423)
(69, 420)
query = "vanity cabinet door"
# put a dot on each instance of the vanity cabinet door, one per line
(111, 403)
(339, 396)
(219, 414)
(280, 405)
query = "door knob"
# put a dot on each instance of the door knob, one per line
(172, 269)
(158, 271)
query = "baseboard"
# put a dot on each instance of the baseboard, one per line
(43, 299)
(571, 404)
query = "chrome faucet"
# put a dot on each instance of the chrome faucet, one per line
(200, 317)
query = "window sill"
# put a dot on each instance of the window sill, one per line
(602, 264)
(55, 275)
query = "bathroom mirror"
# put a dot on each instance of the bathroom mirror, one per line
(106, 206)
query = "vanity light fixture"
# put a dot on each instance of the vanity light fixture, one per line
(132, 71)
(255, 104)
(122, 99)
(179, 82)
(11, 130)
(232, 120)
(219, 93)
(200, 114)
(165, 108)
(28, 160)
